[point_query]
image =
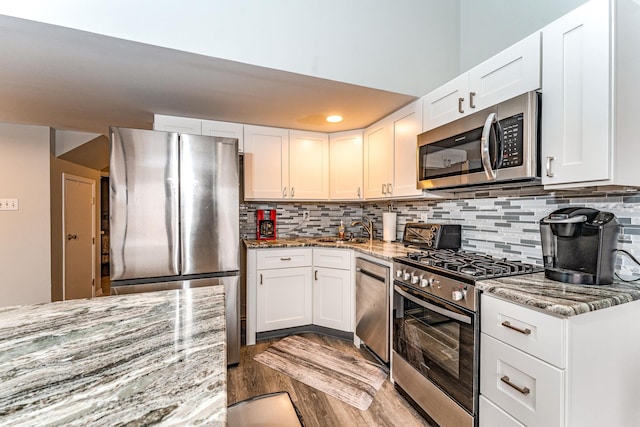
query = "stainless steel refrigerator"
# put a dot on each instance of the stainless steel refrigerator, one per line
(173, 216)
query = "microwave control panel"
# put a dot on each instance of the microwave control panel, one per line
(512, 141)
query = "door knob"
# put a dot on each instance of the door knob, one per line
(72, 237)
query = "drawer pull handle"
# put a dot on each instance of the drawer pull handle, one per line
(506, 324)
(523, 390)
(261, 278)
(316, 275)
(285, 259)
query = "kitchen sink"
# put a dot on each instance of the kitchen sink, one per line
(357, 240)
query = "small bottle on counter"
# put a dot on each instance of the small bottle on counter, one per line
(341, 230)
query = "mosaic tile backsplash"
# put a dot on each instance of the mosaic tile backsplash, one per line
(503, 225)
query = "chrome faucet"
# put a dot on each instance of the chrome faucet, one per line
(368, 227)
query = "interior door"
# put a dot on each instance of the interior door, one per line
(79, 237)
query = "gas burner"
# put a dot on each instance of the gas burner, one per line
(473, 265)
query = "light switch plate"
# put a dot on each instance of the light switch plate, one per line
(8, 204)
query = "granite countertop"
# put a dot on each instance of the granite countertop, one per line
(378, 248)
(138, 359)
(559, 298)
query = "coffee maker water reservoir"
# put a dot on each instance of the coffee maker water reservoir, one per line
(578, 245)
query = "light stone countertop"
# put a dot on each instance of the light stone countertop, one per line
(563, 299)
(140, 359)
(378, 248)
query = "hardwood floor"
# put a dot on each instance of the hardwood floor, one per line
(252, 378)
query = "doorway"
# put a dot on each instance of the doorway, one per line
(78, 231)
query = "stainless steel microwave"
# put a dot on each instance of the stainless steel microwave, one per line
(497, 144)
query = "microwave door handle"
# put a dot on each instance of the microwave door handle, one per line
(499, 138)
(484, 146)
(450, 314)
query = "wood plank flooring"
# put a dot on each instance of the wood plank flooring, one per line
(252, 378)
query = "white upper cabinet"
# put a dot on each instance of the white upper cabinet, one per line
(308, 165)
(407, 124)
(177, 124)
(390, 154)
(378, 160)
(226, 130)
(266, 163)
(200, 127)
(285, 165)
(590, 70)
(510, 73)
(345, 165)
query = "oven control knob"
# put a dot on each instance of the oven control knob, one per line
(457, 296)
(414, 280)
(406, 276)
(398, 273)
(425, 282)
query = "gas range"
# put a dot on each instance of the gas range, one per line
(450, 274)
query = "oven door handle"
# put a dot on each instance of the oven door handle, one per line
(459, 317)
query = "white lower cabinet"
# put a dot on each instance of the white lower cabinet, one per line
(284, 298)
(333, 289)
(541, 370)
(294, 287)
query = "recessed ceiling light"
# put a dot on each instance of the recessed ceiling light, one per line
(334, 119)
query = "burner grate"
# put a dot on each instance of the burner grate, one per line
(477, 266)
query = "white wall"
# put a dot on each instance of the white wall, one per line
(489, 26)
(408, 46)
(25, 244)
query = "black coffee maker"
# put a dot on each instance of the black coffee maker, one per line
(578, 245)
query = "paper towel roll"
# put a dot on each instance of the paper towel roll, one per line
(389, 226)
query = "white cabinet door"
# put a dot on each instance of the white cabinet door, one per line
(177, 124)
(407, 124)
(345, 165)
(510, 73)
(266, 163)
(284, 298)
(378, 160)
(332, 298)
(225, 129)
(446, 103)
(576, 145)
(308, 165)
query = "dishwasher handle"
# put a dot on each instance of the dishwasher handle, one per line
(370, 274)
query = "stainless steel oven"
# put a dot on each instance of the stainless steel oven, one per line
(435, 354)
(497, 144)
(436, 333)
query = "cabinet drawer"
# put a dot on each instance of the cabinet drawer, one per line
(492, 416)
(538, 334)
(332, 258)
(283, 258)
(536, 396)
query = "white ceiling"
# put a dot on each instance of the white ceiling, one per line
(74, 80)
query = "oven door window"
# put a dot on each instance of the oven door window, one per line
(437, 339)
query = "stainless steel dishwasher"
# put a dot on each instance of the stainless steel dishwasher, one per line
(372, 306)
